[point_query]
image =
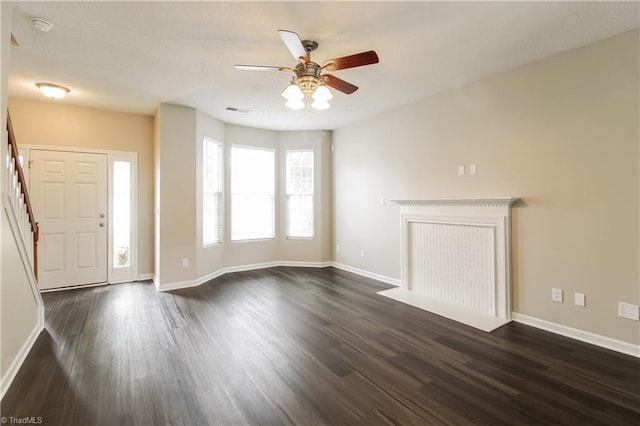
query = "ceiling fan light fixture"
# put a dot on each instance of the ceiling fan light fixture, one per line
(53, 91)
(309, 86)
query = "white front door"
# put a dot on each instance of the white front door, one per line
(69, 198)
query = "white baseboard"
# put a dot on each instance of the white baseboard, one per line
(156, 282)
(254, 266)
(145, 277)
(383, 278)
(581, 335)
(238, 268)
(13, 369)
(299, 264)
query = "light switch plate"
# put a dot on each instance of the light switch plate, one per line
(460, 170)
(556, 295)
(579, 299)
(629, 311)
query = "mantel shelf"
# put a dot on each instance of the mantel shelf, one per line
(503, 201)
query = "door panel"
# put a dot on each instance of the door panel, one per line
(69, 195)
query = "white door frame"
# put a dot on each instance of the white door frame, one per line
(114, 275)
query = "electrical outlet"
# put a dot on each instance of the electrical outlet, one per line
(473, 169)
(337, 248)
(185, 262)
(461, 170)
(579, 299)
(556, 295)
(629, 311)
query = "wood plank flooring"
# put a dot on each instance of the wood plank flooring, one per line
(300, 346)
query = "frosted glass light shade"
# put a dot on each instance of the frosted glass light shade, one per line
(293, 92)
(320, 104)
(322, 93)
(294, 104)
(52, 91)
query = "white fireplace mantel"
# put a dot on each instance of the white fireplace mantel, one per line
(460, 202)
(456, 259)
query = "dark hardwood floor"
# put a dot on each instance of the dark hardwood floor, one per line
(307, 347)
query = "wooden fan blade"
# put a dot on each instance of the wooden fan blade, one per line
(294, 44)
(351, 61)
(261, 68)
(339, 84)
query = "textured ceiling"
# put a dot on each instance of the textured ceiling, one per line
(131, 56)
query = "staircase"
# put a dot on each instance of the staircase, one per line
(18, 201)
(21, 301)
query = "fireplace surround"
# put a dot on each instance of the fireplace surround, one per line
(456, 259)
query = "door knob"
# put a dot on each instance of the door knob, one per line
(101, 215)
(101, 224)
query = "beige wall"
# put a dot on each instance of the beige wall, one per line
(19, 306)
(58, 124)
(176, 150)
(561, 133)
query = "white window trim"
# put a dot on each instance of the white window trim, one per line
(130, 273)
(221, 209)
(286, 195)
(275, 193)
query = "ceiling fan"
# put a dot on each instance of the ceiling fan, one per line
(309, 82)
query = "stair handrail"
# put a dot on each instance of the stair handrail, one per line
(15, 155)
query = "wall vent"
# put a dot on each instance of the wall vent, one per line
(234, 109)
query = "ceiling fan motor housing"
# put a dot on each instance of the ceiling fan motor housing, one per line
(308, 76)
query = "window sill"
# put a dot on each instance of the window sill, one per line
(254, 240)
(216, 244)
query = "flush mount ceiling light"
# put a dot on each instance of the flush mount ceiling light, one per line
(309, 84)
(41, 25)
(53, 91)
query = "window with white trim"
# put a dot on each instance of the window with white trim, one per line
(252, 193)
(121, 220)
(299, 194)
(212, 184)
